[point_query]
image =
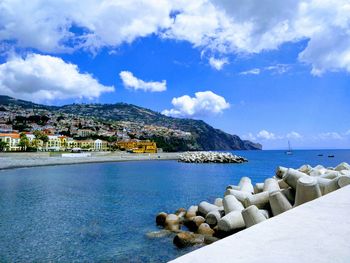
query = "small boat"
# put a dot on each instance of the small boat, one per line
(330, 156)
(320, 154)
(289, 152)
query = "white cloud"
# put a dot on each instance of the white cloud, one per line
(330, 135)
(278, 68)
(44, 78)
(254, 71)
(131, 82)
(203, 103)
(293, 135)
(266, 135)
(217, 26)
(51, 25)
(274, 69)
(216, 63)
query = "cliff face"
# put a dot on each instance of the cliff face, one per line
(204, 136)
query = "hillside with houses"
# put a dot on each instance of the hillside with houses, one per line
(95, 127)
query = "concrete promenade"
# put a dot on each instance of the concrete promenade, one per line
(318, 231)
(21, 160)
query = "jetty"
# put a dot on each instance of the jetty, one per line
(210, 157)
(290, 215)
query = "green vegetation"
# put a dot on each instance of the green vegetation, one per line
(3, 146)
(23, 142)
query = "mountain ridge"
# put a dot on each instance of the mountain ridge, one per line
(204, 136)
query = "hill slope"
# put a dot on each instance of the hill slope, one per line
(204, 136)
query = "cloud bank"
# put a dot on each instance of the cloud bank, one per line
(131, 82)
(202, 104)
(217, 26)
(270, 136)
(45, 78)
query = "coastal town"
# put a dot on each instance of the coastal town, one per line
(23, 129)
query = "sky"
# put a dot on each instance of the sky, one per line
(269, 71)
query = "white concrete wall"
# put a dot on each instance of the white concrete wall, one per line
(75, 155)
(318, 231)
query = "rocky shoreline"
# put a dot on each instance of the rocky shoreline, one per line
(245, 204)
(211, 157)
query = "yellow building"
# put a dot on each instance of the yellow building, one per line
(64, 141)
(12, 140)
(89, 145)
(136, 146)
(54, 143)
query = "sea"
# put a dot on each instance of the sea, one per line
(102, 212)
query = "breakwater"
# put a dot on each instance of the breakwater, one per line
(211, 157)
(245, 204)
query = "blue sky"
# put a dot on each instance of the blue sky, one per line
(264, 86)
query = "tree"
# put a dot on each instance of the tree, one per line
(39, 135)
(3, 146)
(23, 141)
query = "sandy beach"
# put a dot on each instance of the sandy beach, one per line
(21, 160)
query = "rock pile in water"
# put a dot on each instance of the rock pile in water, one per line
(245, 204)
(211, 157)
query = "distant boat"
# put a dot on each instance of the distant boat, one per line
(320, 154)
(289, 152)
(330, 156)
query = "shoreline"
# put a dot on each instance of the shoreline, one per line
(29, 160)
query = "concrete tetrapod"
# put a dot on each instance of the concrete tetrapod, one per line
(172, 222)
(345, 172)
(271, 185)
(245, 185)
(231, 204)
(234, 187)
(306, 168)
(185, 239)
(291, 177)
(279, 203)
(213, 218)
(218, 202)
(193, 223)
(307, 190)
(327, 185)
(258, 188)
(205, 229)
(191, 212)
(261, 200)
(282, 184)
(240, 195)
(181, 212)
(265, 213)
(280, 171)
(252, 216)
(289, 193)
(204, 208)
(342, 166)
(343, 181)
(330, 174)
(232, 221)
(160, 219)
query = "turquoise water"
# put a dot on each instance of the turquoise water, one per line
(101, 212)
